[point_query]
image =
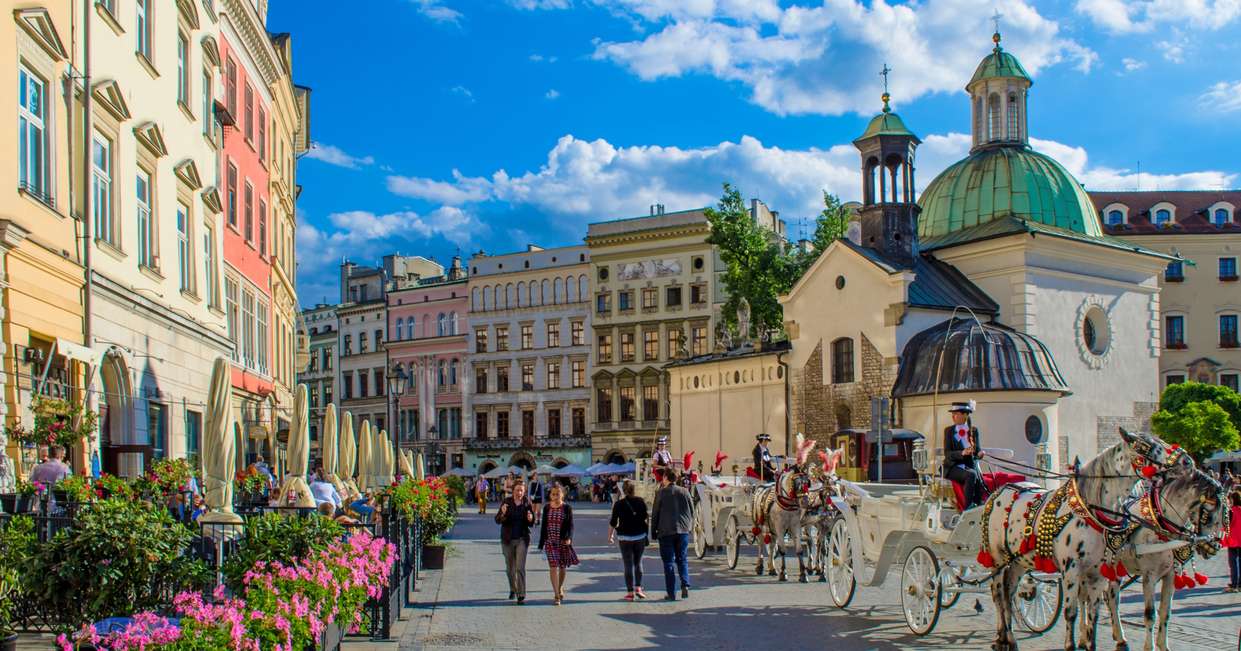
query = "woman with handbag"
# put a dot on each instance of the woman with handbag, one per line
(629, 525)
(556, 539)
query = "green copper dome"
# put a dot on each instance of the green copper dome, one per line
(886, 124)
(1005, 181)
(999, 64)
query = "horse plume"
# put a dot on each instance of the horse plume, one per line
(803, 449)
(687, 461)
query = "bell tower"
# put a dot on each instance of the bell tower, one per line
(998, 94)
(889, 213)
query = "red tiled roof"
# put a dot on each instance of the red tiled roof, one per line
(1191, 209)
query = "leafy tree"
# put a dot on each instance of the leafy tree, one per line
(1202, 418)
(759, 266)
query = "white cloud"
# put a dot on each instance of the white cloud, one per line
(1125, 16)
(1132, 64)
(333, 155)
(463, 92)
(541, 58)
(825, 59)
(552, 94)
(531, 5)
(436, 11)
(460, 190)
(361, 234)
(1223, 97)
(1173, 49)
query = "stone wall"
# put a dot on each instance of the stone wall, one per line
(821, 409)
(1108, 432)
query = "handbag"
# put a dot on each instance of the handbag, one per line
(570, 555)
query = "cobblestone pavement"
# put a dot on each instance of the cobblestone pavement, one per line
(730, 609)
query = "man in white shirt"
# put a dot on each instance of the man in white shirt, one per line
(323, 491)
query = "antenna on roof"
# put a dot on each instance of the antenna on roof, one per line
(1139, 176)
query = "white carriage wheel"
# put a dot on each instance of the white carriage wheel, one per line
(1038, 603)
(700, 540)
(920, 590)
(732, 541)
(839, 564)
(948, 579)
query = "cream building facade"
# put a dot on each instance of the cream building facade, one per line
(527, 384)
(41, 267)
(1200, 299)
(156, 306)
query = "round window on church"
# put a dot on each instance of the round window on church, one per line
(1034, 430)
(1095, 331)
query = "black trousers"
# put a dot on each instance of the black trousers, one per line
(971, 483)
(631, 557)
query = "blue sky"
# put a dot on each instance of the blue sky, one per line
(446, 125)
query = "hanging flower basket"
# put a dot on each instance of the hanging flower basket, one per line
(56, 422)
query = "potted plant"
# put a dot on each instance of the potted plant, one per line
(17, 542)
(427, 500)
(56, 422)
(8, 579)
(23, 500)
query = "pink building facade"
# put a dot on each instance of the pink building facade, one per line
(427, 344)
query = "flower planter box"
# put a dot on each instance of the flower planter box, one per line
(13, 503)
(433, 557)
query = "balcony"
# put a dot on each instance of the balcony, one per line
(527, 442)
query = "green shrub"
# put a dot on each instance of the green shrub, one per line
(17, 545)
(456, 487)
(280, 538)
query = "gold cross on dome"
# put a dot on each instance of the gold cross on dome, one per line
(884, 74)
(996, 19)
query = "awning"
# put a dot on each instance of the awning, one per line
(79, 352)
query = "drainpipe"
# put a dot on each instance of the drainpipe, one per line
(788, 405)
(87, 134)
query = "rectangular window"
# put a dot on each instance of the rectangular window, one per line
(480, 340)
(603, 303)
(603, 404)
(261, 338)
(626, 347)
(698, 294)
(699, 341)
(379, 337)
(527, 377)
(183, 69)
(142, 28)
(553, 423)
(650, 402)
(674, 342)
(1174, 331)
(578, 369)
(248, 116)
(502, 378)
(208, 116)
(527, 424)
(247, 328)
(480, 379)
(553, 375)
(101, 188)
(231, 195)
(501, 338)
(1228, 331)
(627, 403)
(185, 268)
(650, 345)
(480, 425)
(363, 342)
(553, 334)
(157, 429)
(209, 265)
(247, 215)
(346, 379)
(262, 228)
(527, 337)
(624, 300)
(193, 432)
(146, 225)
(262, 134)
(381, 387)
(234, 316)
(1227, 268)
(650, 298)
(364, 384)
(501, 424)
(1174, 378)
(1229, 380)
(672, 296)
(230, 86)
(1175, 272)
(605, 349)
(578, 333)
(579, 422)
(33, 167)
(842, 361)
(348, 344)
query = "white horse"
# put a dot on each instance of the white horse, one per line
(1065, 530)
(778, 510)
(1181, 515)
(820, 513)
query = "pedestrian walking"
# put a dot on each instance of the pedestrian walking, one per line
(556, 539)
(515, 517)
(537, 493)
(480, 493)
(629, 527)
(672, 518)
(1233, 542)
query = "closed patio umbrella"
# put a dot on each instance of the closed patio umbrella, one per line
(407, 466)
(348, 457)
(420, 468)
(329, 450)
(362, 473)
(295, 491)
(379, 459)
(219, 447)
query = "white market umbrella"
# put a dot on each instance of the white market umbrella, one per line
(379, 459)
(407, 466)
(362, 473)
(570, 470)
(329, 450)
(545, 469)
(219, 447)
(462, 472)
(294, 491)
(348, 457)
(420, 468)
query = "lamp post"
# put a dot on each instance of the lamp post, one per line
(398, 382)
(433, 433)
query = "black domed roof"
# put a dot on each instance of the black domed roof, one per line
(976, 357)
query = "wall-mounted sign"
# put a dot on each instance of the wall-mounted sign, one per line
(649, 269)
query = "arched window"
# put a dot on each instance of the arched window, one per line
(545, 294)
(523, 299)
(842, 361)
(557, 291)
(583, 288)
(452, 373)
(489, 298)
(1163, 216)
(1014, 124)
(510, 299)
(993, 117)
(1221, 216)
(571, 289)
(400, 329)
(1115, 218)
(452, 323)
(409, 326)
(474, 299)
(978, 115)
(440, 325)
(441, 377)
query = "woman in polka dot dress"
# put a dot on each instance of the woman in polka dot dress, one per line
(556, 539)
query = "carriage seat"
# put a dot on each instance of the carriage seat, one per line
(992, 480)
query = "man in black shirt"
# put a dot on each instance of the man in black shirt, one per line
(515, 517)
(962, 452)
(763, 464)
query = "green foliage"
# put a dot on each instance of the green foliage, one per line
(17, 545)
(758, 265)
(1201, 427)
(456, 487)
(280, 538)
(56, 422)
(1176, 396)
(120, 556)
(427, 499)
(78, 488)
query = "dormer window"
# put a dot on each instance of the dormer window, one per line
(1163, 217)
(1221, 213)
(1115, 214)
(1115, 218)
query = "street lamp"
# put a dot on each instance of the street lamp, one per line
(431, 448)
(398, 382)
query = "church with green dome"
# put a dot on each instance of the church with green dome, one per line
(996, 284)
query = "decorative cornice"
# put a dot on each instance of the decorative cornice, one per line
(252, 31)
(189, 12)
(38, 24)
(211, 50)
(187, 171)
(109, 95)
(149, 135)
(211, 199)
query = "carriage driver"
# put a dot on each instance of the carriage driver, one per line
(763, 464)
(962, 451)
(661, 461)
